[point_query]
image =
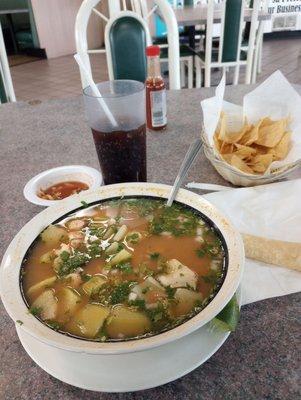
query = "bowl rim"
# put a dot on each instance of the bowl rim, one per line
(29, 190)
(12, 260)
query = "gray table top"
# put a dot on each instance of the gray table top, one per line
(190, 16)
(258, 361)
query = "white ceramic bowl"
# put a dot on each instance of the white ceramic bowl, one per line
(10, 270)
(45, 179)
(239, 178)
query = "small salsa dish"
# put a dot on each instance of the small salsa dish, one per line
(53, 185)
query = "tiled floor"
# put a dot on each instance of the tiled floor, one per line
(59, 78)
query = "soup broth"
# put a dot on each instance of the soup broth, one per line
(123, 269)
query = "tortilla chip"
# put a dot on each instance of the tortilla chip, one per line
(254, 147)
(222, 127)
(250, 134)
(234, 137)
(261, 162)
(260, 149)
(238, 163)
(280, 151)
(244, 152)
(266, 121)
(270, 135)
(217, 142)
(226, 148)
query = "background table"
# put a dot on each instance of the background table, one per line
(259, 361)
(189, 16)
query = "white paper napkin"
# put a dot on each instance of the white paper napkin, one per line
(274, 98)
(272, 211)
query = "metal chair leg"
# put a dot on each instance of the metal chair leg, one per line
(198, 75)
(207, 76)
(182, 72)
(190, 73)
(259, 63)
(236, 74)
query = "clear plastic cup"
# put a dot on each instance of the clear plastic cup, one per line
(121, 150)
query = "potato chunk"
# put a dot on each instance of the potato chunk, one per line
(186, 301)
(112, 249)
(47, 258)
(121, 257)
(74, 280)
(69, 300)
(54, 235)
(89, 320)
(120, 233)
(93, 284)
(178, 275)
(126, 322)
(76, 224)
(149, 290)
(41, 285)
(46, 304)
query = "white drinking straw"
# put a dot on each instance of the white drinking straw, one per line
(95, 89)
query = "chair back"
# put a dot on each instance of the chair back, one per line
(118, 22)
(7, 92)
(126, 37)
(231, 37)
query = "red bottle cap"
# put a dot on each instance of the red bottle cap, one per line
(152, 51)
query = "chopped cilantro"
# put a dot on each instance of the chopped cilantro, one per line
(154, 256)
(94, 250)
(54, 325)
(72, 262)
(170, 291)
(84, 204)
(125, 267)
(133, 238)
(19, 322)
(212, 277)
(86, 277)
(36, 311)
(158, 314)
(139, 303)
(121, 292)
(177, 220)
(201, 252)
(65, 255)
(209, 249)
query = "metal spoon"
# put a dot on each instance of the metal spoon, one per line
(186, 164)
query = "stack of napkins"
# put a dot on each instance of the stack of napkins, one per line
(272, 211)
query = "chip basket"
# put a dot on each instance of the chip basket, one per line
(240, 178)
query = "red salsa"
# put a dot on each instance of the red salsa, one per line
(61, 190)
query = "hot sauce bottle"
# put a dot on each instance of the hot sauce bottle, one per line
(155, 91)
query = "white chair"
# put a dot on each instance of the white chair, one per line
(5, 75)
(208, 59)
(81, 23)
(258, 44)
(186, 55)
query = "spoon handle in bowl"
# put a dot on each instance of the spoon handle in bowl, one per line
(190, 156)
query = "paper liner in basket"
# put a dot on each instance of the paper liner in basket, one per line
(274, 98)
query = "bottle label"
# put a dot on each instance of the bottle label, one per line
(158, 107)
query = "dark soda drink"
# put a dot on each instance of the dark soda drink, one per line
(121, 154)
(117, 119)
